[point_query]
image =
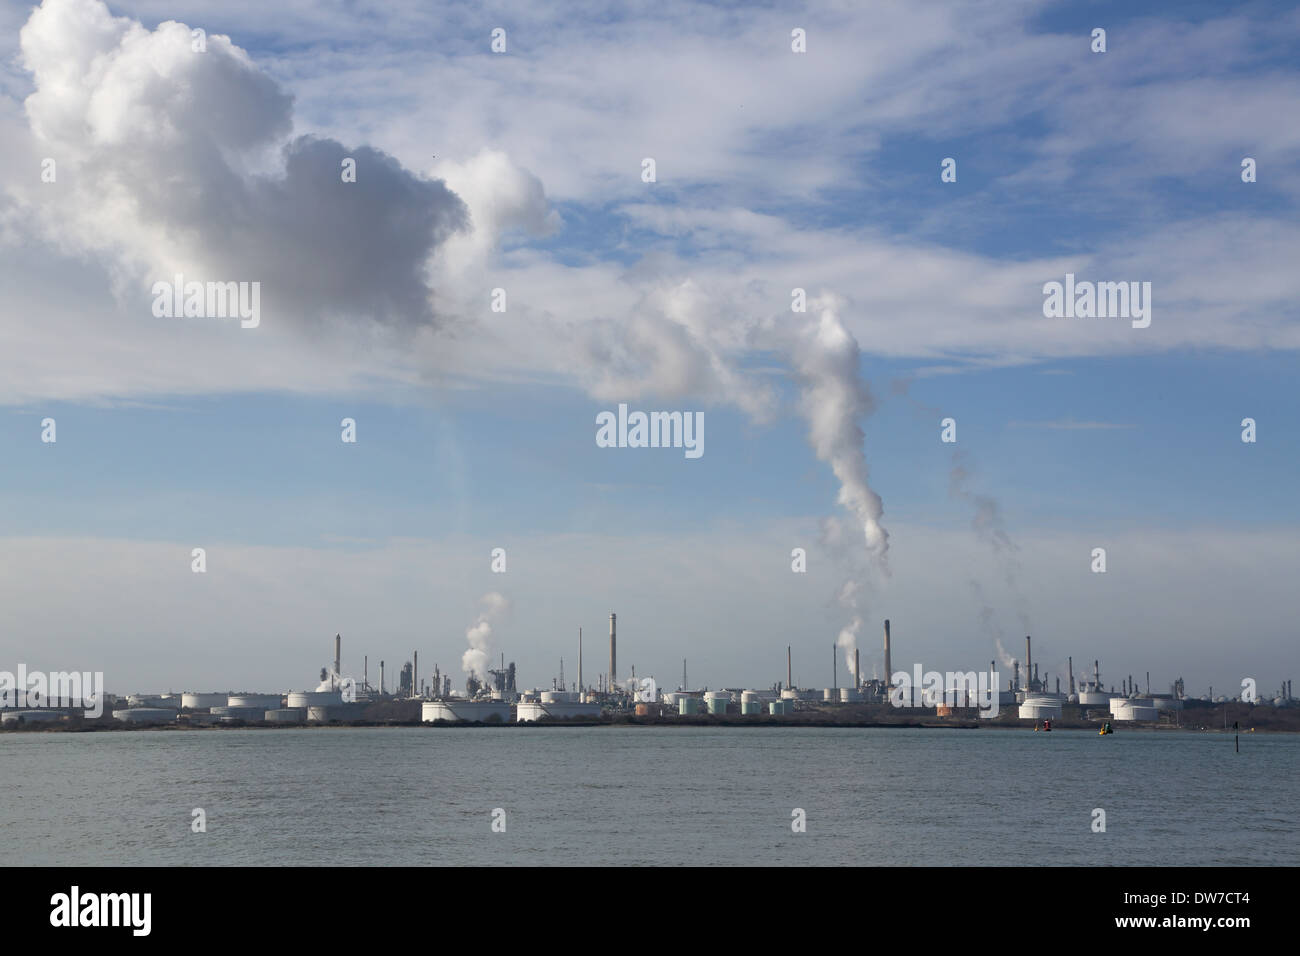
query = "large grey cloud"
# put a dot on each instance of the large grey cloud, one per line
(173, 160)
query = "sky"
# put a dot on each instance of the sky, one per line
(523, 169)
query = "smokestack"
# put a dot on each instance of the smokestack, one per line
(365, 671)
(415, 673)
(1017, 680)
(579, 662)
(1148, 683)
(889, 672)
(835, 666)
(857, 671)
(787, 666)
(338, 655)
(1071, 660)
(1029, 665)
(613, 652)
(381, 677)
(1096, 673)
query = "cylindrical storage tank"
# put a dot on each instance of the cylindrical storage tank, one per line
(483, 711)
(1167, 703)
(559, 697)
(145, 715)
(831, 694)
(1133, 708)
(1040, 708)
(687, 706)
(643, 710)
(789, 693)
(1094, 698)
(262, 702)
(318, 715)
(202, 701)
(285, 715)
(38, 716)
(850, 695)
(779, 707)
(717, 705)
(302, 699)
(751, 707)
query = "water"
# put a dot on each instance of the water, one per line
(645, 795)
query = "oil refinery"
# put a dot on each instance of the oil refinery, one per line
(495, 697)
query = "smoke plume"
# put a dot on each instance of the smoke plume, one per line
(834, 398)
(476, 660)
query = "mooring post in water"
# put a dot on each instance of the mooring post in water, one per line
(1236, 738)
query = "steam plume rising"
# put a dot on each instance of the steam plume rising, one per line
(476, 660)
(833, 398)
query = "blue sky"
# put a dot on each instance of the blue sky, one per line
(476, 429)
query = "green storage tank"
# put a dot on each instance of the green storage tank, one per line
(688, 706)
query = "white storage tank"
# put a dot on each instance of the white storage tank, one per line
(559, 697)
(302, 699)
(831, 694)
(202, 701)
(1040, 707)
(483, 711)
(145, 715)
(850, 695)
(261, 702)
(1134, 708)
(286, 715)
(557, 710)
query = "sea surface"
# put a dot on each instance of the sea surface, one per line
(646, 795)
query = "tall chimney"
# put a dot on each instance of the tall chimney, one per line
(579, 663)
(787, 666)
(835, 666)
(365, 671)
(1096, 674)
(415, 673)
(1017, 681)
(857, 671)
(613, 652)
(1029, 665)
(381, 677)
(889, 671)
(338, 655)
(1071, 660)
(1148, 683)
